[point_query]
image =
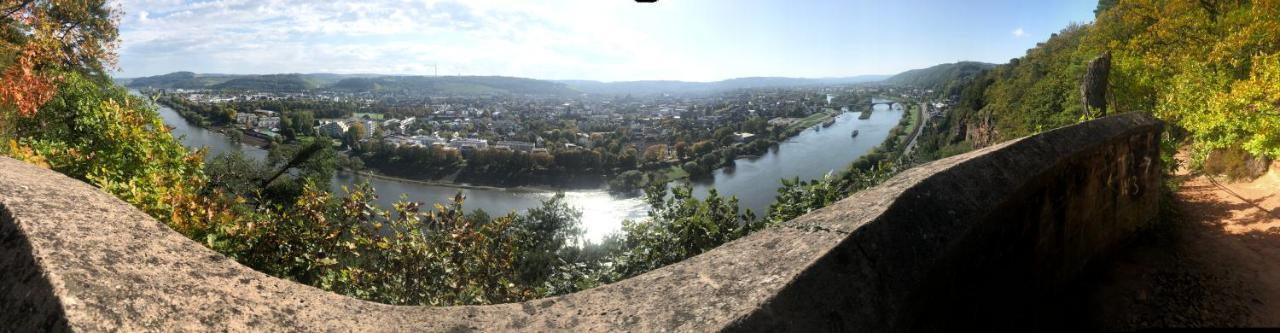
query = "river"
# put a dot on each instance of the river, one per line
(809, 155)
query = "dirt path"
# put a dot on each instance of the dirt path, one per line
(1214, 261)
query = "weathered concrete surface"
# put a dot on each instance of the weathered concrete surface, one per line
(956, 242)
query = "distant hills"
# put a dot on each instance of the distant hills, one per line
(936, 77)
(273, 82)
(179, 80)
(426, 85)
(656, 87)
(947, 79)
(453, 85)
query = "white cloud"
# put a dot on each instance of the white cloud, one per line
(568, 39)
(1018, 32)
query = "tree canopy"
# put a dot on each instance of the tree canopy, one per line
(1208, 67)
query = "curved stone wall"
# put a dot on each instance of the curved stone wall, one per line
(957, 241)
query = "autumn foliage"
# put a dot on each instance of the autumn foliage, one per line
(21, 87)
(1210, 69)
(42, 37)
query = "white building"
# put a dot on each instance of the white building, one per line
(391, 126)
(478, 144)
(516, 145)
(247, 119)
(268, 122)
(406, 123)
(428, 140)
(334, 129)
(370, 126)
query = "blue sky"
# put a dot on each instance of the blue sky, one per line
(611, 40)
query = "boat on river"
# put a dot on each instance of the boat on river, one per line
(855, 134)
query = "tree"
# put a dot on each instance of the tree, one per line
(703, 147)
(110, 139)
(692, 167)
(293, 166)
(627, 160)
(92, 130)
(235, 135)
(655, 153)
(682, 150)
(303, 122)
(355, 134)
(679, 226)
(627, 182)
(286, 128)
(1103, 5)
(546, 234)
(42, 40)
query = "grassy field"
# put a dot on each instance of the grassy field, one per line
(912, 119)
(676, 172)
(813, 119)
(910, 128)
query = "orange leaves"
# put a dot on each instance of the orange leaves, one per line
(23, 88)
(49, 36)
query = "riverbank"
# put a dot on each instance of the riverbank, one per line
(813, 120)
(671, 174)
(451, 184)
(243, 136)
(807, 155)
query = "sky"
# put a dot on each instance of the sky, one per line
(607, 40)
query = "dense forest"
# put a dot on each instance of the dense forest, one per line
(268, 83)
(1211, 69)
(178, 80)
(944, 79)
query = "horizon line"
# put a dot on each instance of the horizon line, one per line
(544, 79)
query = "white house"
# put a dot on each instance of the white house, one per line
(247, 119)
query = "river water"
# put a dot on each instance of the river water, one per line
(809, 155)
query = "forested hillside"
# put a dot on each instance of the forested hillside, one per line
(945, 79)
(1209, 67)
(272, 83)
(178, 80)
(454, 85)
(687, 87)
(414, 85)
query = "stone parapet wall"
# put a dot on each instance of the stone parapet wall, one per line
(961, 241)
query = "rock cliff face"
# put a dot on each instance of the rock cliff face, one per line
(969, 241)
(981, 133)
(1093, 88)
